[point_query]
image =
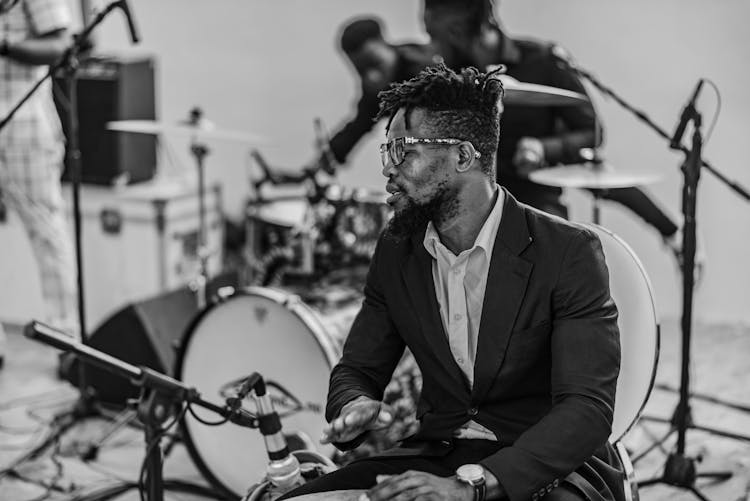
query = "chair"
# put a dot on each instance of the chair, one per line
(639, 341)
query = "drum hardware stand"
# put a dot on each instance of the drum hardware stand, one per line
(160, 396)
(591, 156)
(68, 66)
(200, 151)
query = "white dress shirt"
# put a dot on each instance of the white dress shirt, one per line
(460, 283)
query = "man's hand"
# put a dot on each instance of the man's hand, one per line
(529, 155)
(358, 416)
(413, 485)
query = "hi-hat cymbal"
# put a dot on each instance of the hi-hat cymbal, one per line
(590, 175)
(527, 94)
(203, 129)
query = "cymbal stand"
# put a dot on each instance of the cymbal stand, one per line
(199, 151)
(592, 158)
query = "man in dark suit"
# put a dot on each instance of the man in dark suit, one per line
(506, 310)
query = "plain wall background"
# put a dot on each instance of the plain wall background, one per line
(271, 66)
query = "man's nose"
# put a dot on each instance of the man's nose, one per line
(388, 168)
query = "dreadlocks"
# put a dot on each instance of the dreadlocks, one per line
(465, 105)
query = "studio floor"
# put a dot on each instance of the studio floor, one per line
(31, 395)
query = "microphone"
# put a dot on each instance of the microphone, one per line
(131, 24)
(283, 470)
(687, 113)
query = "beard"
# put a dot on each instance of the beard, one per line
(413, 218)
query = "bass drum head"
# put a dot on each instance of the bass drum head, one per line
(258, 330)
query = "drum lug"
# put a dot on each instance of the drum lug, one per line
(292, 300)
(224, 293)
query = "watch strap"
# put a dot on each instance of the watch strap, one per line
(480, 490)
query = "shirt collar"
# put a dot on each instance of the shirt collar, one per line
(487, 234)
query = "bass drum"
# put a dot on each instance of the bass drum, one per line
(259, 330)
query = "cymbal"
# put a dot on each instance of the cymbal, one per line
(527, 94)
(204, 129)
(590, 175)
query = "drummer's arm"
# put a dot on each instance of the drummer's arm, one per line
(346, 138)
(576, 124)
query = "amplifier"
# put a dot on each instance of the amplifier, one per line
(112, 88)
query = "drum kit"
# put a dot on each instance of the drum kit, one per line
(273, 325)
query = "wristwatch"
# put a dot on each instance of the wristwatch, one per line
(473, 474)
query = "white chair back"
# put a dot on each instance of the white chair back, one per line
(639, 330)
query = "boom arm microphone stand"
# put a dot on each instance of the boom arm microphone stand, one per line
(643, 117)
(160, 396)
(679, 469)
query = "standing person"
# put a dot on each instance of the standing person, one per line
(377, 63)
(33, 35)
(505, 308)
(466, 33)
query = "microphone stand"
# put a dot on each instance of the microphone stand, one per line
(643, 117)
(679, 470)
(68, 65)
(733, 185)
(160, 396)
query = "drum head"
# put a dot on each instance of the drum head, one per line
(289, 213)
(639, 330)
(258, 330)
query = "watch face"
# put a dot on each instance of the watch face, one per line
(470, 472)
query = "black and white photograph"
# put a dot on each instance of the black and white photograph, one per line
(358, 250)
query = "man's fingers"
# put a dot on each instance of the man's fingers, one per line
(407, 485)
(356, 421)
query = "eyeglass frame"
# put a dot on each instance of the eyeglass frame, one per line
(449, 141)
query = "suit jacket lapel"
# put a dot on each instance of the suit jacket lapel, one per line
(417, 272)
(506, 286)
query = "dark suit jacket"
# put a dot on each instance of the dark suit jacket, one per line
(547, 358)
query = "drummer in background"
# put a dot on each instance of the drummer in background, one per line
(495, 300)
(466, 33)
(378, 63)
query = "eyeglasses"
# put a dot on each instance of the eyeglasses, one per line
(395, 149)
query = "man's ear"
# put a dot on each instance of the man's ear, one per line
(467, 155)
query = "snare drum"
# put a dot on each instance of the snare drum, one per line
(277, 335)
(277, 229)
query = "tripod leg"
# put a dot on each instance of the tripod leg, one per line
(697, 493)
(650, 481)
(122, 419)
(716, 475)
(658, 443)
(721, 433)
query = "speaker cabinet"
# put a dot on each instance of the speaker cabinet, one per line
(147, 332)
(111, 88)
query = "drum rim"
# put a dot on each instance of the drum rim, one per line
(267, 293)
(657, 344)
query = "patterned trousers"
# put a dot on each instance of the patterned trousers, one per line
(30, 185)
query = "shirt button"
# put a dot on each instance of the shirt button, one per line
(457, 316)
(460, 360)
(456, 272)
(473, 411)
